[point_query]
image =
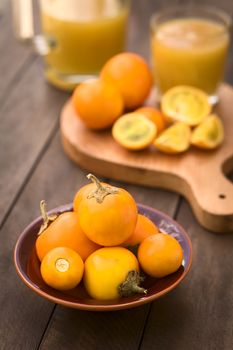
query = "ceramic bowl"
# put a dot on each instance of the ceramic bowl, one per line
(28, 268)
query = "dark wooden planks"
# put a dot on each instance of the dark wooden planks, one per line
(225, 5)
(24, 315)
(29, 113)
(199, 313)
(28, 118)
(29, 121)
(15, 57)
(73, 329)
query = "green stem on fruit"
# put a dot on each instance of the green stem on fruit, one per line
(131, 285)
(47, 219)
(101, 190)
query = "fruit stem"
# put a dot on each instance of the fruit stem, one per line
(131, 285)
(47, 219)
(44, 212)
(96, 181)
(101, 191)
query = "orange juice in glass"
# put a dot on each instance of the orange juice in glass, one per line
(81, 36)
(189, 47)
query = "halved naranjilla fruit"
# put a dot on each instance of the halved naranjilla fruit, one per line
(134, 131)
(209, 134)
(175, 139)
(185, 104)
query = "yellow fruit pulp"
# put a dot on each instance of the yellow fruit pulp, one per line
(134, 131)
(209, 134)
(185, 104)
(175, 139)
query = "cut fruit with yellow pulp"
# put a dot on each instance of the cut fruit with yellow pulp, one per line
(209, 134)
(175, 139)
(134, 131)
(185, 104)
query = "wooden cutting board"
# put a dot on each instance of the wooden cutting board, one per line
(198, 175)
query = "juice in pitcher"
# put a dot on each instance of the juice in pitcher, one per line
(189, 51)
(83, 35)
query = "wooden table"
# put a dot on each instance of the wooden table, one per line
(196, 315)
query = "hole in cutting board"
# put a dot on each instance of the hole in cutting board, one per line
(222, 196)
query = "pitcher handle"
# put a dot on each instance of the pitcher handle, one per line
(22, 17)
(23, 25)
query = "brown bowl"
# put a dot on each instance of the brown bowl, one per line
(28, 268)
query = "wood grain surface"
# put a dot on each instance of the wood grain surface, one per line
(197, 315)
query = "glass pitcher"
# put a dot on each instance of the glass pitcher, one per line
(77, 36)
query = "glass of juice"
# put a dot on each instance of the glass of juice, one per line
(189, 46)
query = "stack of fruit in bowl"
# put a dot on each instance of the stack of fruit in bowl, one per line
(95, 243)
(117, 100)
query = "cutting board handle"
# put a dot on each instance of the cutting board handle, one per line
(213, 209)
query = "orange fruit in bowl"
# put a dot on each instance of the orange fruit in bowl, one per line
(155, 116)
(97, 103)
(160, 255)
(111, 273)
(144, 228)
(64, 231)
(108, 215)
(134, 131)
(131, 74)
(62, 268)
